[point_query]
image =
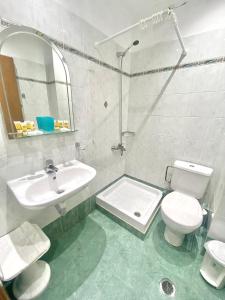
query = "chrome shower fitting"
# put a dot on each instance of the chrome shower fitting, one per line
(119, 147)
(123, 53)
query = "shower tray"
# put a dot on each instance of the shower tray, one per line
(131, 201)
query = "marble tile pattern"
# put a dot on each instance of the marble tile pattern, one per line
(142, 55)
(91, 85)
(178, 114)
(98, 259)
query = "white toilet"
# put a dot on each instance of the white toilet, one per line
(180, 209)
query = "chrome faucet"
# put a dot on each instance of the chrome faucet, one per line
(49, 167)
(119, 147)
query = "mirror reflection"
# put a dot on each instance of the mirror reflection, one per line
(35, 88)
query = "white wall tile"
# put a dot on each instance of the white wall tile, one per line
(179, 116)
(92, 85)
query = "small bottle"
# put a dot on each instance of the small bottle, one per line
(66, 124)
(24, 128)
(56, 124)
(19, 130)
(60, 123)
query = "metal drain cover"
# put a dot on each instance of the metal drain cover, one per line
(167, 287)
(60, 191)
(137, 214)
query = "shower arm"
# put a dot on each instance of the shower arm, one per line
(168, 12)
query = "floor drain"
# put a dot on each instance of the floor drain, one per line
(167, 287)
(137, 214)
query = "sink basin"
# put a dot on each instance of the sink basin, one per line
(41, 190)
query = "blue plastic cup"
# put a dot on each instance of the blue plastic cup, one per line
(45, 123)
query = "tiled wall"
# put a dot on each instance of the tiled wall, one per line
(177, 114)
(92, 85)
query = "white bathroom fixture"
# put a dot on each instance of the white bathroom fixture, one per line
(213, 265)
(19, 253)
(131, 201)
(41, 190)
(180, 209)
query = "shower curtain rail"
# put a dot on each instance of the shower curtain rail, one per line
(155, 18)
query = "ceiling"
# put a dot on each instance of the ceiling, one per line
(111, 16)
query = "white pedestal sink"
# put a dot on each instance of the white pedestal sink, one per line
(41, 190)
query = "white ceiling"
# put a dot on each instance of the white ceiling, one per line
(111, 16)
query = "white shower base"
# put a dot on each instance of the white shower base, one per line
(133, 202)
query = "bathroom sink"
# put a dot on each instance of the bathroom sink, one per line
(41, 190)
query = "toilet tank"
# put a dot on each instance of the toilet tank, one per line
(190, 178)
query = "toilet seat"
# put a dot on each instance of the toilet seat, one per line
(216, 250)
(182, 209)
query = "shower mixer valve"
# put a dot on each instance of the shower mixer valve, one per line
(119, 147)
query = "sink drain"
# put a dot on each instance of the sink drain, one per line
(167, 287)
(60, 191)
(137, 214)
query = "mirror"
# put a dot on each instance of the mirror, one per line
(35, 88)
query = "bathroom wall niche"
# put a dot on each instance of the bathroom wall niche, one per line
(35, 88)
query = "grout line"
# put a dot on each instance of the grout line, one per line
(220, 59)
(204, 62)
(70, 49)
(41, 81)
(180, 93)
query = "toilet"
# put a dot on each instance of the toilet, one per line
(180, 209)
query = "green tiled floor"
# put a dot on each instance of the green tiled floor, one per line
(99, 259)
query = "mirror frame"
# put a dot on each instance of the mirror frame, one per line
(6, 33)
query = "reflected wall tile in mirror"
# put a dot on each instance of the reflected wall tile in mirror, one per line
(40, 81)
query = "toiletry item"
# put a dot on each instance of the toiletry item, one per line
(45, 123)
(24, 128)
(18, 126)
(30, 125)
(56, 124)
(66, 124)
(60, 122)
(34, 132)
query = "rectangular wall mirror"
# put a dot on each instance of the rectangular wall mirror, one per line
(35, 88)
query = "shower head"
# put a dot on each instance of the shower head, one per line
(123, 53)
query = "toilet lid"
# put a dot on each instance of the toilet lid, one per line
(216, 249)
(182, 209)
